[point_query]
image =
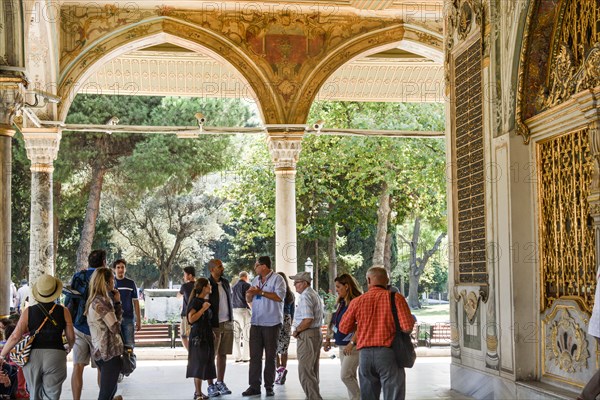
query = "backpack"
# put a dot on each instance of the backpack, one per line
(76, 296)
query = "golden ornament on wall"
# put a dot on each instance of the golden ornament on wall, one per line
(566, 344)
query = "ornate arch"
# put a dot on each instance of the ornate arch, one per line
(560, 55)
(419, 41)
(160, 30)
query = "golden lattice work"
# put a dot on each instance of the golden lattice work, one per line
(565, 226)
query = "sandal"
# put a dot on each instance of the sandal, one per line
(201, 396)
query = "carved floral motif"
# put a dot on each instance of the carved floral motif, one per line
(566, 344)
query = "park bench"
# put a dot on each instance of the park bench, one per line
(440, 334)
(155, 335)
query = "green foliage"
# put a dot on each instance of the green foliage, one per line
(329, 300)
(21, 210)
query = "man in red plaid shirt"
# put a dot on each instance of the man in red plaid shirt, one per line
(371, 316)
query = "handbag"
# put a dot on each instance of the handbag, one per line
(22, 350)
(128, 359)
(402, 344)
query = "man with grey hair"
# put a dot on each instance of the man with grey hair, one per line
(241, 317)
(371, 316)
(307, 331)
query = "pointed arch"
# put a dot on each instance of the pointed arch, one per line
(401, 36)
(167, 30)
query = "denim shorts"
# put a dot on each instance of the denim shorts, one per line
(128, 331)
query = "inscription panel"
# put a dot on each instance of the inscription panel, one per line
(468, 147)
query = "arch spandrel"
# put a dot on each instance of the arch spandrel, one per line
(279, 54)
(161, 30)
(419, 42)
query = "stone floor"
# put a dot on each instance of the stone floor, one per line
(163, 379)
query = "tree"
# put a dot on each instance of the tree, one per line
(132, 156)
(167, 227)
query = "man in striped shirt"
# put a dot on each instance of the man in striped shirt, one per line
(371, 316)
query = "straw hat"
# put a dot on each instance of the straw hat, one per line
(46, 289)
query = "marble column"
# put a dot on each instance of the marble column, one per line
(5, 217)
(285, 149)
(42, 148)
(10, 106)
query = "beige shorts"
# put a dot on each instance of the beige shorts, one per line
(83, 349)
(184, 328)
(224, 338)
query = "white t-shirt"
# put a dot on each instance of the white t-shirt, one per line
(223, 307)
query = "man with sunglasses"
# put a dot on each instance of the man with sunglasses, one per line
(266, 295)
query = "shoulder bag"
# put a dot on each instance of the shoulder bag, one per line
(20, 353)
(402, 344)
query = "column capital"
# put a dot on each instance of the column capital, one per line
(42, 147)
(11, 104)
(285, 149)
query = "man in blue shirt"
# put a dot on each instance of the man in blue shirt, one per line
(83, 348)
(266, 295)
(129, 300)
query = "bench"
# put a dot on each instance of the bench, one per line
(155, 335)
(440, 334)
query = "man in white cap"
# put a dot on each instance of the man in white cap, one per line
(307, 330)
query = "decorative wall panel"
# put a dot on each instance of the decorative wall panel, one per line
(567, 247)
(468, 145)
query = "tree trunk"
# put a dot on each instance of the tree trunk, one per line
(316, 266)
(387, 254)
(91, 215)
(383, 213)
(163, 279)
(57, 189)
(413, 291)
(332, 258)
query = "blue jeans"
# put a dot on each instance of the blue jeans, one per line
(109, 377)
(128, 331)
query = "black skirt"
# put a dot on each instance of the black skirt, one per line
(201, 351)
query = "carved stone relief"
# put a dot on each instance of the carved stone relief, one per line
(461, 18)
(565, 346)
(290, 54)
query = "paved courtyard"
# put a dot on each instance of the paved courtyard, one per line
(165, 379)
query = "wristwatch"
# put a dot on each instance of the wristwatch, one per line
(262, 292)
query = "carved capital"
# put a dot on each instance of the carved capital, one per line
(11, 103)
(285, 149)
(42, 147)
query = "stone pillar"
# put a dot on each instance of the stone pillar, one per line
(42, 148)
(6, 134)
(285, 148)
(10, 105)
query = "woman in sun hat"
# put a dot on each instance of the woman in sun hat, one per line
(46, 369)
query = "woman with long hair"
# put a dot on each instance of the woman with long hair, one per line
(283, 342)
(46, 369)
(103, 317)
(347, 289)
(201, 346)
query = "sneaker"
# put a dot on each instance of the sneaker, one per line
(213, 391)
(270, 392)
(222, 387)
(283, 375)
(278, 377)
(251, 392)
